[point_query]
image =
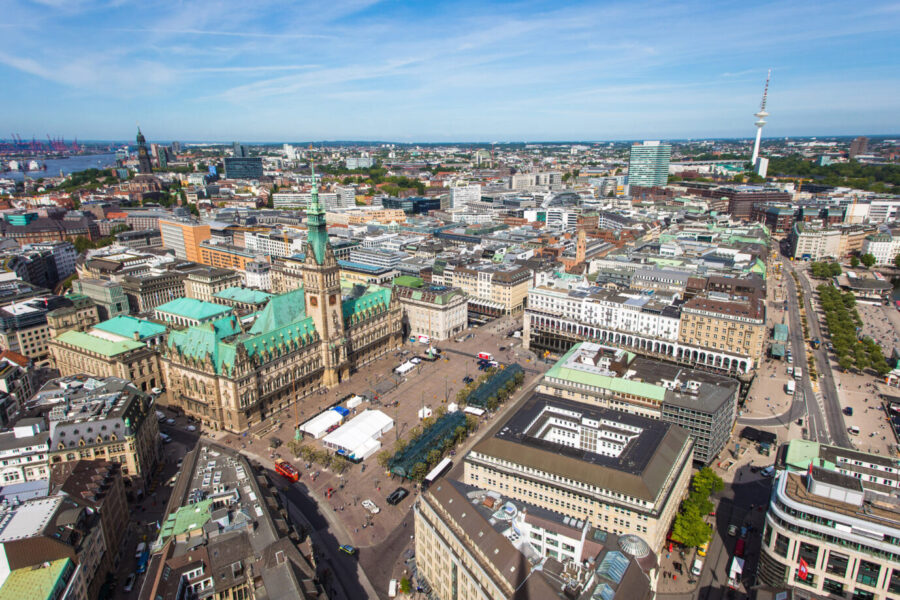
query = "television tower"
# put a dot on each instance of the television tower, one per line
(761, 116)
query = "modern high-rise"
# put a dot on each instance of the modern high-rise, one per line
(859, 146)
(648, 165)
(462, 195)
(239, 150)
(243, 168)
(184, 237)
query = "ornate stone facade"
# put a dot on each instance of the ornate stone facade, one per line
(303, 340)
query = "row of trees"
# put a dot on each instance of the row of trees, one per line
(324, 458)
(843, 322)
(690, 527)
(824, 270)
(434, 456)
(496, 399)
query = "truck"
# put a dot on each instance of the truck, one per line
(790, 387)
(485, 356)
(798, 373)
(735, 572)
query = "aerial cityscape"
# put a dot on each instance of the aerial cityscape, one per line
(294, 305)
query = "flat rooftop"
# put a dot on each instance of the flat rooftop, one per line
(640, 470)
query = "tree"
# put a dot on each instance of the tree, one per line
(82, 244)
(434, 456)
(868, 260)
(707, 482)
(690, 529)
(384, 459)
(854, 261)
(418, 472)
(897, 261)
(405, 586)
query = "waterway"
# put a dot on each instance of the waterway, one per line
(64, 166)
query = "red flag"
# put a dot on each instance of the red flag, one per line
(803, 571)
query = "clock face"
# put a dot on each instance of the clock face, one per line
(143, 151)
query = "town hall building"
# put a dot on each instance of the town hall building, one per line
(303, 341)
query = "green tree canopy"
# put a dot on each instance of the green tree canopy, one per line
(690, 529)
(868, 260)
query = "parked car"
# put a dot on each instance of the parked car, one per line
(848, 410)
(170, 421)
(129, 583)
(191, 428)
(371, 507)
(768, 471)
(397, 496)
(732, 530)
(140, 549)
(347, 549)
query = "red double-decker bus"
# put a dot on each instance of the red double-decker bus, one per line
(286, 469)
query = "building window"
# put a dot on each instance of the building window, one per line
(862, 595)
(809, 553)
(894, 582)
(781, 545)
(837, 564)
(867, 573)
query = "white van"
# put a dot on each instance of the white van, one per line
(140, 549)
(392, 589)
(853, 429)
(697, 568)
(798, 373)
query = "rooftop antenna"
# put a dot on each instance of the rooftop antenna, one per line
(761, 118)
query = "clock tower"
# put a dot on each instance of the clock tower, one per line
(322, 287)
(144, 165)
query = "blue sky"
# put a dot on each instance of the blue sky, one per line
(258, 70)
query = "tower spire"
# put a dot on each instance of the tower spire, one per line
(761, 118)
(314, 205)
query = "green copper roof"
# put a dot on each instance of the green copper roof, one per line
(280, 311)
(800, 453)
(300, 332)
(205, 339)
(126, 326)
(377, 299)
(614, 384)
(281, 323)
(38, 582)
(317, 231)
(759, 267)
(186, 518)
(191, 308)
(245, 295)
(98, 344)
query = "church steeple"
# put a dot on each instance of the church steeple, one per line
(317, 228)
(144, 164)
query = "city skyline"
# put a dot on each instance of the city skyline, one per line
(416, 72)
